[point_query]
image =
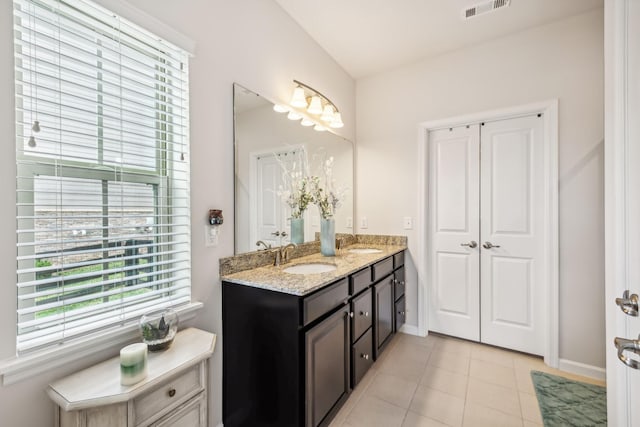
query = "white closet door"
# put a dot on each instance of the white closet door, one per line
(511, 271)
(453, 222)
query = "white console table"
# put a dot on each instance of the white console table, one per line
(174, 393)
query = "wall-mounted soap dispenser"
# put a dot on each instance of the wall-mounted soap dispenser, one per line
(212, 228)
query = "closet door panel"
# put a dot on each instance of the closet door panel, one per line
(511, 295)
(454, 223)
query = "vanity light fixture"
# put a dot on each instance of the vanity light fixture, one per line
(315, 103)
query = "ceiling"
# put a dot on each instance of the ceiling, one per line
(369, 36)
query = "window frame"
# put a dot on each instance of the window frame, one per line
(160, 178)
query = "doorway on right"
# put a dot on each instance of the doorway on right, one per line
(486, 232)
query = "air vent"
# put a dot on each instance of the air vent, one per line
(485, 7)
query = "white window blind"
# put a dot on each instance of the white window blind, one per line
(102, 171)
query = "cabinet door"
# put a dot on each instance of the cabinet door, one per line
(327, 347)
(384, 307)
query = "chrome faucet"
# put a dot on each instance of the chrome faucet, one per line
(281, 254)
(260, 242)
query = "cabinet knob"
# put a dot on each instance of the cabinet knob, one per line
(364, 313)
(172, 392)
(401, 312)
(365, 356)
(402, 283)
(351, 314)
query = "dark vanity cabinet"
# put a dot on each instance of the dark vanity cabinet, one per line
(399, 287)
(291, 360)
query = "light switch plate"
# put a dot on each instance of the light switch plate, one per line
(364, 222)
(349, 222)
(210, 235)
(407, 223)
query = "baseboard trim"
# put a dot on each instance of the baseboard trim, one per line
(582, 369)
(409, 330)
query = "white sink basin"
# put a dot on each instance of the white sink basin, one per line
(365, 251)
(310, 268)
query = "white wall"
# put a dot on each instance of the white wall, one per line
(252, 42)
(562, 60)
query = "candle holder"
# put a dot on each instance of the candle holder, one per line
(158, 328)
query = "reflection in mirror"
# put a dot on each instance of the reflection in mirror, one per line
(272, 154)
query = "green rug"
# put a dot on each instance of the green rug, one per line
(565, 402)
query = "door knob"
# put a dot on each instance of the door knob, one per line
(489, 245)
(628, 304)
(623, 344)
(472, 244)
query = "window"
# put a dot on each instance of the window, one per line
(102, 172)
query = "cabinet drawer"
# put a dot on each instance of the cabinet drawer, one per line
(400, 313)
(325, 300)
(362, 314)
(169, 395)
(191, 414)
(382, 268)
(362, 353)
(398, 259)
(399, 283)
(360, 280)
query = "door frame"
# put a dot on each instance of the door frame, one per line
(616, 165)
(549, 110)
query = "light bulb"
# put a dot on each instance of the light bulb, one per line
(306, 122)
(319, 128)
(279, 108)
(315, 106)
(298, 99)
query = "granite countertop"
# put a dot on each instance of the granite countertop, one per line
(275, 279)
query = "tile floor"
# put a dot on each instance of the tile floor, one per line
(443, 381)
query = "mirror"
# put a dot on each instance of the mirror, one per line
(271, 152)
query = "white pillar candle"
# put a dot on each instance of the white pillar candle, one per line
(133, 363)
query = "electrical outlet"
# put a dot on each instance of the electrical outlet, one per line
(407, 223)
(364, 222)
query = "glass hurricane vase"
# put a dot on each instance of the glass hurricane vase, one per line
(328, 237)
(297, 230)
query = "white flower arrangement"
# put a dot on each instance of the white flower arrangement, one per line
(329, 198)
(296, 191)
